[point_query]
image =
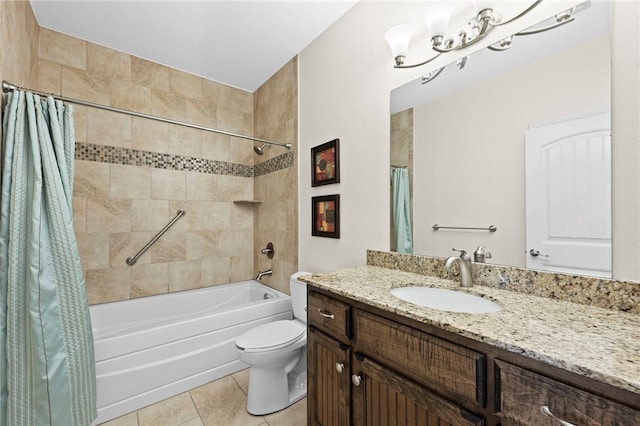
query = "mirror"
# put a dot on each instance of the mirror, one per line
(461, 136)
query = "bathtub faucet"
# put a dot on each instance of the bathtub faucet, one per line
(263, 273)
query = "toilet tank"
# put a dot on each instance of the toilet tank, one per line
(298, 291)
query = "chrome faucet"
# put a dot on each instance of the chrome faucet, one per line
(464, 263)
(263, 273)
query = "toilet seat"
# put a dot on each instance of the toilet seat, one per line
(271, 336)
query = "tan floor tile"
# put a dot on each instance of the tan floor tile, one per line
(222, 403)
(193, 422)
(295, 415)
(242, 379)
(130, 419)
(170, 412)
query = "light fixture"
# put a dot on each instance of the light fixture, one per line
(443, 40)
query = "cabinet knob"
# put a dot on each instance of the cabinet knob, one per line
(339, 367)
(356, 380)
(326, 314)
(547, 412)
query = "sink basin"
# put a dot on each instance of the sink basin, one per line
(446, 300)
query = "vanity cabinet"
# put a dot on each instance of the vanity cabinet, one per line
(368, 366)
(357, 379)
(523, 395)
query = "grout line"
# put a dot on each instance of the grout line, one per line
(196, 406)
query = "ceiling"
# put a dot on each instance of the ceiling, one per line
(238, 43)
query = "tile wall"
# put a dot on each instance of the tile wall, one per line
(133, 174)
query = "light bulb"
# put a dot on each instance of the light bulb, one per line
(398, 38)
(437, 18)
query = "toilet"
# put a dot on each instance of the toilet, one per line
(277, 355)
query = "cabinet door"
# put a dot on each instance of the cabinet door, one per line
(527, 398)
(328, 390)
(383, 397)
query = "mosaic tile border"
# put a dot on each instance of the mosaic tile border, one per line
(158, 160)
(604, 293)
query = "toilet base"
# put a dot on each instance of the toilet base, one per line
(271, 391)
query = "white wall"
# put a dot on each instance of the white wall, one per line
(473, 174)
(345, 78)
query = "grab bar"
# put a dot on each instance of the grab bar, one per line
(491, 228)
(132, 260)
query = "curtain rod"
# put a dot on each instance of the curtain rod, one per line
(8, 87)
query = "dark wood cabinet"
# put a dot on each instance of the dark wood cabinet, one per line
(371, 367)
(523, 396)
(351, 382)
(329, 381)
(383, 397)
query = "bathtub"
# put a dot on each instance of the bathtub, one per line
(152, 348)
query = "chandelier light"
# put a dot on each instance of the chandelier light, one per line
(444, 40)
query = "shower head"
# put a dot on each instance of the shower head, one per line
(260, 149)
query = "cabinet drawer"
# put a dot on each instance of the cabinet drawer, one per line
(330, 316)
(437, 363)
(522, 393)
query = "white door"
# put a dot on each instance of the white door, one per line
(568, 194)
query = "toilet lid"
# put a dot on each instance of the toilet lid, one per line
(270, 336)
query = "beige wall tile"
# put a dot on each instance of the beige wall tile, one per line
(108, 62)
(235, 242)
(216, 147)
(169, 248)
(128, 244)
(91, 179)
(130, 96)
(168, 184)
(201, 113)
(230, 97)
(94, 250)
(149, 74)
(150, 135)
(186, 84)
(216, 215)
(49, 77)
(108, 215)
(108, 128)
(185, 141)
(201, 186)
(168, 105)
(80, 122)
(108, 285)
(242, 268)
(63, 49)
(229, 188)
(78, 84)
(149, 215)
(148, 280)
(201, 244)
(79, 214)
(130, 182)
(215, 271)
(184, 275)
(192, 219)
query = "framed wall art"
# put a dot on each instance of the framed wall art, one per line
(325, 163)
(325, 216)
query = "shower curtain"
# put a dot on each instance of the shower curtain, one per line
(47, 370)
(401, 210)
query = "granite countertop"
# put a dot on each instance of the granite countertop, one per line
(599, 343)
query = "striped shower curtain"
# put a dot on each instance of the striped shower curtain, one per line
(47, 371)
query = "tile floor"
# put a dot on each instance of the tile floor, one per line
(219, 403)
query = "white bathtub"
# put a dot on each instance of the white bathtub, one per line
(151, 348)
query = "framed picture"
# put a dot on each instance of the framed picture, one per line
(325, 163)
(325, 216)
